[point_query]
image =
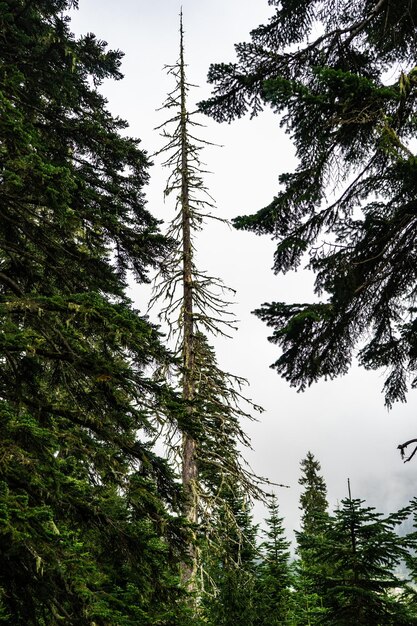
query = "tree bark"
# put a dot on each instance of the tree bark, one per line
(189, 462)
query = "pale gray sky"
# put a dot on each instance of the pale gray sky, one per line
(343, 422)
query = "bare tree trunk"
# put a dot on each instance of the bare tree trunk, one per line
(189, 463)
(211, 397)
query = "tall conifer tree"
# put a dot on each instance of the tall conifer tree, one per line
(313, 499)
(274, 597)
(195, 306)
(314, 516)
(85, 536)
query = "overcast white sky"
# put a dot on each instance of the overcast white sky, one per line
(343, 422)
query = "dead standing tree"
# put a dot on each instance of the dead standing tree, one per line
(196, 305)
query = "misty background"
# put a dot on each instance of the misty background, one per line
(343, 422)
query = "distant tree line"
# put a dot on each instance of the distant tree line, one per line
(352, 566)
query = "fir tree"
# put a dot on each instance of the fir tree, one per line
(313, 506)
(362, 551)
(313, 499)
(342, 77)
(274, 601)
(231, 565)
(86, 536)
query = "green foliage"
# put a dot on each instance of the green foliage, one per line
(410, 593)
(313, 499)
(231, 565)
(309, 569)
(341, 75)
(362, 550)
(351, 564)
(219, 416)
(274, 600)
(85, 533)
(308, 604)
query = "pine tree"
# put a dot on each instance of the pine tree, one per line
(342, 77)
(194, 307)
(274, 601)
(87, 531)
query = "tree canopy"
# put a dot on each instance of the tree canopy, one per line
(342, 77)
(87, 531)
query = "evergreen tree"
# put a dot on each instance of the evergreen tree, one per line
(410, 593)
(309, 608)
(274, 602)
(231, 565)
(308, 568)
(194, 306)
(342, 76)
(313, 500)
(85, 533)
(362, 551)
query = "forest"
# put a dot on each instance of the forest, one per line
(126, 496)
